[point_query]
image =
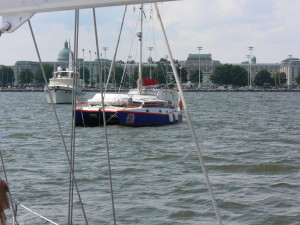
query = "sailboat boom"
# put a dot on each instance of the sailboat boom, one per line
(17, 12)
(24, 7)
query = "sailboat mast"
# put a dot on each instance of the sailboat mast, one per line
(140, 35)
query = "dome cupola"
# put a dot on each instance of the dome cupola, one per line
(63, 55)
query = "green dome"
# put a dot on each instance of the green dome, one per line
(149, 60)
(63, 55)
(253, 60)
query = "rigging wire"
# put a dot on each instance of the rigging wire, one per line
(9, 192)
(74, 91)
(104, 121)
(128, 57)
(189, 120)
(116, 50)
(57, 121)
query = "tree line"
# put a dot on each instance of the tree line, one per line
(226, 74)
(229, 74)
(128, 78)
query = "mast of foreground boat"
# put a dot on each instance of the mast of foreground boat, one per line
(140, 36)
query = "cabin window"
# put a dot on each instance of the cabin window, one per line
(152, 104)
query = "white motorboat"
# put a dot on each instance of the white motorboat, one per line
(60, 87)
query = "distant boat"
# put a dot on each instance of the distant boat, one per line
(60, 87)
(144, 106)
(147, 107)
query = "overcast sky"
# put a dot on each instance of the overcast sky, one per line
(223, 28)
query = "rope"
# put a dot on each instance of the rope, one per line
(57, 121)
(189, 119)
(104, 124)
(39, 215)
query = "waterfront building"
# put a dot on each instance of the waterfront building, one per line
(21, 65)
(291, 67)
(62, 61)
(207, 66)
(253, 68)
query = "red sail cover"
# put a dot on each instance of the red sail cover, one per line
(148, 82)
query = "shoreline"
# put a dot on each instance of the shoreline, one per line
(185, 90)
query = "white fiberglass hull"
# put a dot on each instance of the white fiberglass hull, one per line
(60, 95)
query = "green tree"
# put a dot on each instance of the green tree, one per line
(6, 76)
(280, 78)
(298, 79)
(229, 74)
(239, 76)
(48, 69)
(263, 77)
(283, 78)
(117, 75)
(161, 71)
(194, 76)
(26, 76)
(222, 75)
(182, 73)
(85, 74)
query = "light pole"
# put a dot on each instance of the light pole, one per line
(83, 65)
(167, 78)
(248, 57)
(2, 82)
(180, 68)
(105, 49)
(150, 60)
(250, 48)
(199, 48)
(167, 63)
(90, 68)
(129, 77)
(101, 68)
(95, 68)
(204, 78)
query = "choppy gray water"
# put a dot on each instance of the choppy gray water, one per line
(250, 143)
